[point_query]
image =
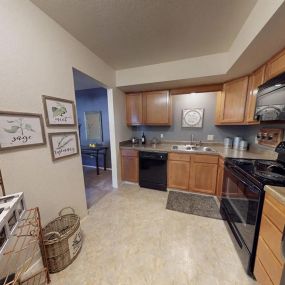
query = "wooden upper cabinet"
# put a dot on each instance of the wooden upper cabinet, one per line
(255, 80)
(275, 65)
(134, 109)
(157, 108)
(232, 101)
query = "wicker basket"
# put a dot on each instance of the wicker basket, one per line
(62, 240)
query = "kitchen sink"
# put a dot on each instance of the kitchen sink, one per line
(192, 148)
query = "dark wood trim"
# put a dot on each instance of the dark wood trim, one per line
(24, 114)
(50, 135)
(2, 185)
(45, 97)
(197, 89)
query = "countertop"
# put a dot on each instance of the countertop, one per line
(277, 192)
(219, 150)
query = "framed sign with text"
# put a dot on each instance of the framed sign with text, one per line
(19, 130)
(63, 144)
(192, 118)
(59, 112)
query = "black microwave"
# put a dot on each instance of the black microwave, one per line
(270, 100)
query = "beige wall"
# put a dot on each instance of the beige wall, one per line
(36, 57)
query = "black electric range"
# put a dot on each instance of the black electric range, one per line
(262, 172)
(243, 196)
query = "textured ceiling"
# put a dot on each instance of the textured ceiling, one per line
(129, 33)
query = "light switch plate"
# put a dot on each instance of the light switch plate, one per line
(210, 137)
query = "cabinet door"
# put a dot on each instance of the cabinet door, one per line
(130, 168)
(255, 80)
(220, 178)
(134, 105)
(232, 102)
(178, 174)
(275, 66)
(157, 108)
(203, 177)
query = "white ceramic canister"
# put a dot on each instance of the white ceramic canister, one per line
(228, 142)
(237, 141)
(243, 145)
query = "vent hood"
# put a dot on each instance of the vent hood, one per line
(271, 85)
(270, 100)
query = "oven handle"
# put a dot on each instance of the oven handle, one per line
(239, 176)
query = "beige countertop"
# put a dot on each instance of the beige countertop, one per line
(277, 192)
(219, 150)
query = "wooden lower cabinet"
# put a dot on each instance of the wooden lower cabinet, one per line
(129, 165)
(178, 174)
(220, 177)
(197, 173)
(269, 264)
(260, 273)
(203, 177)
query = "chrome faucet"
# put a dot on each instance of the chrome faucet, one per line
(191, 139)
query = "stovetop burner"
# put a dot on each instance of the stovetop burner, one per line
(271, 176)
(263, 171)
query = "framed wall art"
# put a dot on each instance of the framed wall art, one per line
(192, 118)
(93, 126)
(19, 130)
(63, 144)
(59, 112)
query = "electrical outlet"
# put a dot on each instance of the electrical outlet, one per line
(210, 137)
(161, 136)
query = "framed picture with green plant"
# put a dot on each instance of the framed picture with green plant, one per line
(59, 112)
(18, 130)
(63, 144)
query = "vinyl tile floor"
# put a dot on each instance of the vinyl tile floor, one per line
(131, 239)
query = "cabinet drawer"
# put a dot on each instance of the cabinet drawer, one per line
(269, 261)
(205, 158)
(129, 152)
(260, 273)
(179, 156)
(272, 236)
(274, 211)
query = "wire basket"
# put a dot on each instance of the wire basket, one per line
(62, 240)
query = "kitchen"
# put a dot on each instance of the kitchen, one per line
(186, 98)
(233, 172)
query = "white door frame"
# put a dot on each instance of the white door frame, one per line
(113, 143)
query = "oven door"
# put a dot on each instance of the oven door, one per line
(241, 201)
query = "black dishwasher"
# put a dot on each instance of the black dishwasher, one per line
(153, 170)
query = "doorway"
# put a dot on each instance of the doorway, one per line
(94, 134)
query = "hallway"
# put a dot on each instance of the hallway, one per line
(96, 186)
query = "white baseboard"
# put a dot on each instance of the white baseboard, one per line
(100, 167)
(128, 182)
